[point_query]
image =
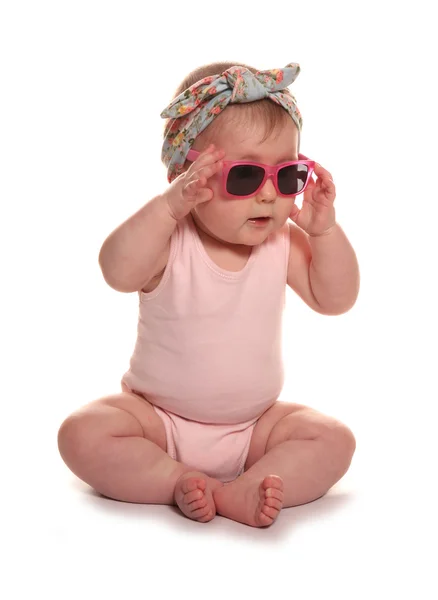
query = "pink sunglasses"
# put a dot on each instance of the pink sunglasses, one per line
(243, 179)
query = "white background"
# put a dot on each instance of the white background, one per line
(82, 87)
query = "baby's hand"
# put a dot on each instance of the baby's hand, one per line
(190, 188)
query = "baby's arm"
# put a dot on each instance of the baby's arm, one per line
(334, 271)
(139, 248)
(323, 270)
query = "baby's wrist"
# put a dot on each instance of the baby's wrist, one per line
(168, 201)
(324, 233)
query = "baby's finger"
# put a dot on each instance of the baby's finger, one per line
(209, 156)
(205, 154)
(196, 192)
(204, 195)
(321, 172)
(207, 171)
(193, 186)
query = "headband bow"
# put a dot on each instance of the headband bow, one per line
(195, 108)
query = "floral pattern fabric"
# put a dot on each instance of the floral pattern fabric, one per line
(195, 108)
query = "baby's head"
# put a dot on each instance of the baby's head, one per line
(259, 131)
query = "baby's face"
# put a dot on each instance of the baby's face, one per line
(229, 219)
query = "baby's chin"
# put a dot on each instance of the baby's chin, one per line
(248, 233)
(252, 233)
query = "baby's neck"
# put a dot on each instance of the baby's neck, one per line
(227, 255)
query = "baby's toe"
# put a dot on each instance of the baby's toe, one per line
(269, 511)
(190, 497)
(274, 503)
(204, 514)
(274, 482)
(192, 484)
(198, 504)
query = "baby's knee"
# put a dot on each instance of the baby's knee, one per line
(75, 437)
(84, 435)
(81, 434)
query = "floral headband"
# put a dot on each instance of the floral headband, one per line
(195, 108)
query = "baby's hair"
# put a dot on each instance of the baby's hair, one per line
(264, 111)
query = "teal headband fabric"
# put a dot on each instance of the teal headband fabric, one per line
(195, 108)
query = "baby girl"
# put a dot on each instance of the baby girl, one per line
(199, 422)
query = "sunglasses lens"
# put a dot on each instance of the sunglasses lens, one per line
(243, 180)
(292, 179)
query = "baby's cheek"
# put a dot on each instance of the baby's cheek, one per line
(211, 213)
(285, 208)
(234, 211)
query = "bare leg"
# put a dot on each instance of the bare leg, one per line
(117, 445)
(291, 473)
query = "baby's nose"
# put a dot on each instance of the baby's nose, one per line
(267, 193)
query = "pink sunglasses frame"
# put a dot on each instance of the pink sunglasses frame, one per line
(270, 173)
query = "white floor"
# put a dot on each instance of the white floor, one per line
(372, 536)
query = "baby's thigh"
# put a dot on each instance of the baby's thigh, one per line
(119, 415)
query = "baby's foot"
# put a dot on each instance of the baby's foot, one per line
(253, 502)
(194, 495)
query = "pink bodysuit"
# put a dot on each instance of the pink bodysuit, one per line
(208, 351)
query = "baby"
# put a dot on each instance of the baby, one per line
(199, 422)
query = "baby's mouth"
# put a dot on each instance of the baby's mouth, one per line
(259, 221)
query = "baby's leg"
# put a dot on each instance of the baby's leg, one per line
(118, 446)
